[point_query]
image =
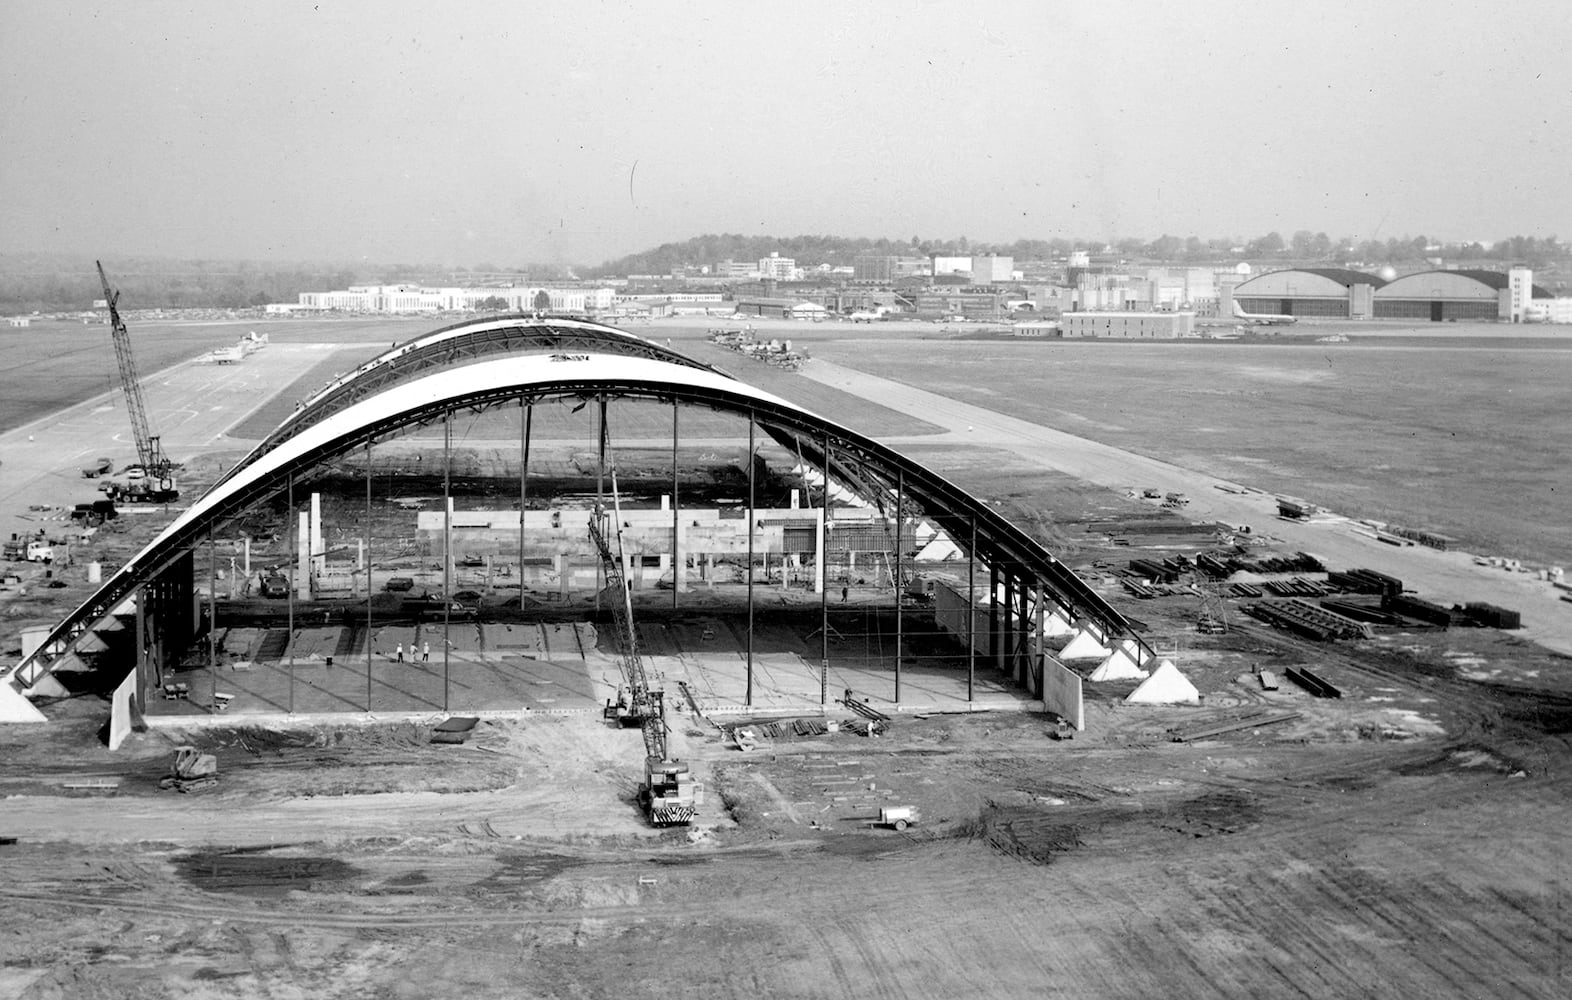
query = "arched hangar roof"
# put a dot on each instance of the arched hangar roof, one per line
(1465, 284)
(492, 363)
(1308, 282)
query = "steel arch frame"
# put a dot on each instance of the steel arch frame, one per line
(434, 387)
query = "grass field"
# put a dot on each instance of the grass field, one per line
(1469, 438)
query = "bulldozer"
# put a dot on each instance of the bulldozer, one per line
(192, 771)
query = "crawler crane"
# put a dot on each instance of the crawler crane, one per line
(157, 484)
(669, 793)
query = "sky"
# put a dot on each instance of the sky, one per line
(508, 133)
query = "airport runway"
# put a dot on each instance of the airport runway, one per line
(190, 406)
(1444, 577)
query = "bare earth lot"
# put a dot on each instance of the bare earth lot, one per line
(1405, 840)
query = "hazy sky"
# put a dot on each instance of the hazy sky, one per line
(512, 132)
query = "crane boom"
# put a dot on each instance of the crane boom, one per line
(148, 450)
(643, 705)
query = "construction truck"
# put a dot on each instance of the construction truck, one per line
(899, 817)
(192, 771)
(670, 795)
(29, 550)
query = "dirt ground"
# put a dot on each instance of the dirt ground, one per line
(1406, 839)
(1409, 836)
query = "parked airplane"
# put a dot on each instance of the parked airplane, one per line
(863, 316)
(1263, 319)
(226, 355)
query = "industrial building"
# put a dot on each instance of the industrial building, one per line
(1310, 293)
(975, 306)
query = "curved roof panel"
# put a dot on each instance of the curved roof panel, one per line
(1466, 283)
(1309, 282)
(1346, 276)
(460, 344)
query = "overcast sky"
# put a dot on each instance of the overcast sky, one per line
(511, 132)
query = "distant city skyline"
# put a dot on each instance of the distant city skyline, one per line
(582, 133)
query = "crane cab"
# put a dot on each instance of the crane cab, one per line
(670, 795)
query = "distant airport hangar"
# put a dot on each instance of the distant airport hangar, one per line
(1309, 293)
(1012, 593)
(1437, 296)
(1443, 296)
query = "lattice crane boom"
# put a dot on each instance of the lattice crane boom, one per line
(644, 705)
(148, 450)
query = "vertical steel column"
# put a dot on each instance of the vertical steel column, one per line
(971, 615)
(600, 492)
(369, 591)
(447, 548)
(824, 581)
(748, 700)
(1038, 660)
(1009, 623)
(676, 506)
(289, 644)
(141, 649)
(1023, 625)
(900, 504)
(212, 613)
(527, 408)
(993, 613)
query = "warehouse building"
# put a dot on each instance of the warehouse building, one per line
(1128, 325)
(1310, 292)
(1447, 296)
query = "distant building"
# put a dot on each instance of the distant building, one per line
(1445, 296)
(736, 269)
(952, 265)
(416, 299)
(778, 267)
(768, 307)
(874, 268)
(968, 305)
(1181, 287)
(1550, 310)
(992, 270)
(1311, 292)
(1128, 325)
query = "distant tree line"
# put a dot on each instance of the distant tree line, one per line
(61, 282)
(1302, 247)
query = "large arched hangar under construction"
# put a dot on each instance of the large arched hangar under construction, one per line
(438, 495)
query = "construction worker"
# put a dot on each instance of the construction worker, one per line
(399, 652)
(844, 592)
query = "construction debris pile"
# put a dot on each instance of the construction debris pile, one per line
(774, 351)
